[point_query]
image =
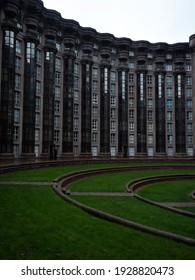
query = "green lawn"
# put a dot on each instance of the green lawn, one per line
(37, 224)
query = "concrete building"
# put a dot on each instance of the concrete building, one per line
(69, 91)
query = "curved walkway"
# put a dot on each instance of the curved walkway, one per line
(60, 186)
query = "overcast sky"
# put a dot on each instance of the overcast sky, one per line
(170, 21)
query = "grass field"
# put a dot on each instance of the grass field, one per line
(37, 224)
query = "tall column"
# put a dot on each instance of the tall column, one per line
(86, 108)
(68, 100)
(7, 89)
(105, 109)
(123, 112)
(160, 112)
(31, 42)
(48, 102)
(180, 136)
(192, 48)
(141, 113)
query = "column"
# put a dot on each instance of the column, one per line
(160, 113)
(68, 101)
(105, 109)
(123, 112)
(7, 90)
(141, 113)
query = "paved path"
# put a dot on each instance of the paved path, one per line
(26, 183)
(101, 193)
(178, 204)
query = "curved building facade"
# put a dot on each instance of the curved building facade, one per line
(68, 91)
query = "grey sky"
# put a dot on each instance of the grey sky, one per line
(168, 21)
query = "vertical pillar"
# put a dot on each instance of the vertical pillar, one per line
(86, 107)
(160, 113)
(68, 102)
(123, 112)
(7, 90)
(105, 109)
(141, 113)
(180, 136)
(28, 139)
(48, 103)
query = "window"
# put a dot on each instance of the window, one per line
(18, 63)
(37, 103)
(94, 124)
(94, 137)
(169, 67)
(58, 63)
(150, 103)
(131, 139)
(149, 91)
(189, 92)
(150, 115)
(131, 102)
(57, 121)
(75, 136)
(131, 114)
(58, 46)
(131, 126)
(190, 139)
(150, 139)
(170, 139)
(30, 51)
(189, 127)
(113, 76)
(113, 113)
(16, 115)
(131, 78)
(131, 65)
(37, 119)
(37, 134)
(57, 92)
(95, 73)
(169, 116)
(113, 101)
(57, 106)
(56, 135)
(169, 92)
(131, 53)
(9, 38)
(76, 82)
(18, 46)
(17, 98)
(95, 85)
(57, 77)
(94, 111)
(39, 56)
(113, 88)
(131, 90)
(76, 109)
(17, 81)
(168, 56)
(95, 98)
(188, 67)
(169, 103)
(113, 125)
(189, 103)
(150, 127)
(189, 116)
(16, 132)
(149, 79)
(38, 87)
(38, 71)
(112, 138)
(169, 127)
(76, 68)
(169, 81)
(188, 81)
